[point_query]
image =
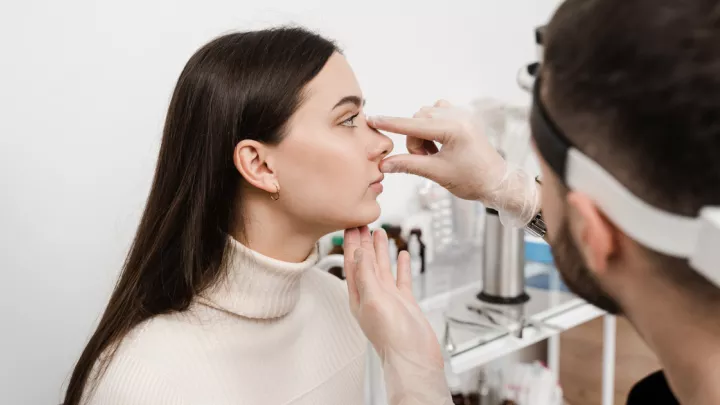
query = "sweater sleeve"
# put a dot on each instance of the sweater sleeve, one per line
(130, 381)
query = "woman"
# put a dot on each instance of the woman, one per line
(265, 149)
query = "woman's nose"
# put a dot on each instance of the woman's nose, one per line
(382, 146)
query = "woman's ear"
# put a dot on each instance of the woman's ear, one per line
(594, 235)
(251, 160)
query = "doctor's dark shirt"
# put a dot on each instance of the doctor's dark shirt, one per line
(652, 390)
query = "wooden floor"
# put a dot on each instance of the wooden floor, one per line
(581, 362)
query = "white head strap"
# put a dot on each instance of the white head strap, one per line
(694, 238)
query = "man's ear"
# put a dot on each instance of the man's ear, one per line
(252, 160)
(594, 235)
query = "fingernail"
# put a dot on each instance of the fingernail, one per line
(358, 255)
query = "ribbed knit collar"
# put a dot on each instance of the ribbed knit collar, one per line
(258, 286)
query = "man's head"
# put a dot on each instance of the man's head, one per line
(636, 87)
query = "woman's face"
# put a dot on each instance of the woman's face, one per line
(327, 166)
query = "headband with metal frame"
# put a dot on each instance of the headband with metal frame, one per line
(696, 239)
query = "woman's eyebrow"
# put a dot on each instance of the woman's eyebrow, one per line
(357, 101)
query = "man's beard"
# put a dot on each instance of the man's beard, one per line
(576, 275)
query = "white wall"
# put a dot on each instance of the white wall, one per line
(83, 90)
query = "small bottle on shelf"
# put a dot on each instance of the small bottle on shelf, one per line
(337, 249)
(394, 232)
(458, 398)
(417, 234)
(483, 395)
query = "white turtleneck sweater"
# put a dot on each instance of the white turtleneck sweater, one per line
(271, 333)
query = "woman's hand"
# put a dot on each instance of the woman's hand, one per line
(467, 164)
(390, 317)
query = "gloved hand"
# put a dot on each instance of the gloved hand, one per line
(467, 164)
(390, 317)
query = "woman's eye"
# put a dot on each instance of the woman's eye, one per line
(350, 122)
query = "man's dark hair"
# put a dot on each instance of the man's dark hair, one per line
(636, 86)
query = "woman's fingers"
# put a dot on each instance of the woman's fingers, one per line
(351, 244)
(365, 252)
(366, 243)
(382, 254)
(366, 280)
(404, 275)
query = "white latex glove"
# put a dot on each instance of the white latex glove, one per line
(467, 164)
(391, 319)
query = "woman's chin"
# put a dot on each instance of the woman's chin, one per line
(364, 215)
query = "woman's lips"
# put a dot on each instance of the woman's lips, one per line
(377, 186)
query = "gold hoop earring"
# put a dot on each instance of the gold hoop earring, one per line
(276, 195)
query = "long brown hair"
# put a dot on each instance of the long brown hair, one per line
(238, 86)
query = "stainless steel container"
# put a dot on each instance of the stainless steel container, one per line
(503, 263)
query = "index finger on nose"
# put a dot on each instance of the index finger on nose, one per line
(429, 129)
